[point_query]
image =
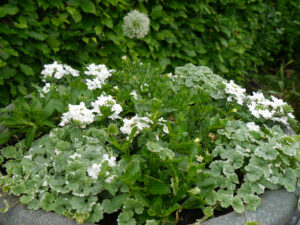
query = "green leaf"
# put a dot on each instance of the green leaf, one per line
(208, 211)
(97, 214)
(9, 9)
(74, 13)
(30, 135)
(135, 205)
(125, 218)
(252, 201)
(9, 152)
(238, 205)
(88, 6)
(114, 204)
(252, 223)
(163, 153)
(26, 69)
(158, 188)
(53, 42)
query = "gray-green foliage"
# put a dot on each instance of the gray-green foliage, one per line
(53, 174)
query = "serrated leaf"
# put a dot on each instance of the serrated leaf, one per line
(238, 205)
(97, 214)
(134, 205)
(114, 204)
(9, 152)
(211, 198)
(125, 218)
(252, 201)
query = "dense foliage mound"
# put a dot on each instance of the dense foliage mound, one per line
(148, 145)
(231, 37)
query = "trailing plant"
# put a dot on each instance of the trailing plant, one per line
(148, 145)
(231, 37)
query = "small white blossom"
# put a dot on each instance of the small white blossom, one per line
(136, 24)
(252, 126)
(236, 92)
(165, 129)
(136, 121)
(124, 57)
(134, 94)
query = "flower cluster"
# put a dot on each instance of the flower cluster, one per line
(58, 71)
(108, 101)
(100, 73)
(85, 116)
(273, 109)
(95, 168)
(136, 24)
(139, 122)
(236, 92)
(78, 113)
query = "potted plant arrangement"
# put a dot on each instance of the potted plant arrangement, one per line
(145, 146)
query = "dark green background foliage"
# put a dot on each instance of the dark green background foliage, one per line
(233, 37)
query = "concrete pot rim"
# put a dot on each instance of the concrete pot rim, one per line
(276, 208)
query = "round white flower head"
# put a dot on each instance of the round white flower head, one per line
(100, 73)
(94, 170)
(108, 101)
(252, 126)
(78, 113)
(136, 24)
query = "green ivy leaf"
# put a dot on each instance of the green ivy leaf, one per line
(9, 152)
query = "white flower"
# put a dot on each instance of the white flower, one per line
(253, 126)
(134, 94)
(75, 155)
(116, 88)
(236, 92)
(196, 140)
(58, 71)
(136, 121)
(100, 74)
(78, 113)
(108, 101)
(165, 129)
(259, 106)
(124, 57)
(45, 90)
(291, 115)
(94, 170)
(136, 24)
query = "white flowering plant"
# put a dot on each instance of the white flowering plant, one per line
(147, 146)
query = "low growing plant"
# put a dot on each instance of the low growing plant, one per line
(149, 145)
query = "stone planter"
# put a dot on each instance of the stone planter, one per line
(276, 209)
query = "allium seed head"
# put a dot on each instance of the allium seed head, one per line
(136, 24)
